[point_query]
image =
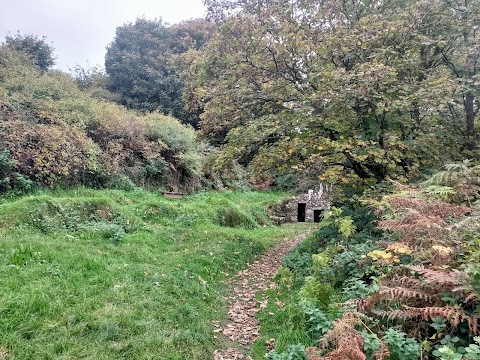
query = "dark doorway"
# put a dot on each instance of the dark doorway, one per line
(317, 216)
(302, 207)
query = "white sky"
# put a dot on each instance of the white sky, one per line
(79, 30)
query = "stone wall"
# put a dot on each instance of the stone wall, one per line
(287, 212)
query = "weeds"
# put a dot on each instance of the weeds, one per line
(403, 286)
(20, 255)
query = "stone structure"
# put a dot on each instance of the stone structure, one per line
(303, 208)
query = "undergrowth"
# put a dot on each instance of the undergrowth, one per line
(394, 276)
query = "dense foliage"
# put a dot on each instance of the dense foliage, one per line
(142, 64)
(368, 95)
(58, 135)
(342, 91)
(394, 278)
(39, 51)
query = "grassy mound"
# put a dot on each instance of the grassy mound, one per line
(122, 275)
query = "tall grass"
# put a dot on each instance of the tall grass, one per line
(122, 275)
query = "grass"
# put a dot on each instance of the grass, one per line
(282, 320)
(103, 274)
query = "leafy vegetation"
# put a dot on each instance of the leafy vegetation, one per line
(369, 97)
(142, 63)
(403, 286)
(39, 51)
(59, 136)
(345, 92)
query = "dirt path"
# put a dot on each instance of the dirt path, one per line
(242, 327)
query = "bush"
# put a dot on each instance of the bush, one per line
(50, 154)
(10, 179)
(62, 136)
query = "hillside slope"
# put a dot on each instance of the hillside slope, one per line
(123, 275)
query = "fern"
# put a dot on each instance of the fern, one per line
(455, 174)
(346, 227)
(347, 342)
(452, 315)
(344, 224)
(396, 293)
(446, 279)
(463, 177)
(388, 294)
(443, 192)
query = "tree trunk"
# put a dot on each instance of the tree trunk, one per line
(469, 103)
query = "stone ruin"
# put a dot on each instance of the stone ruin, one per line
(302, 208)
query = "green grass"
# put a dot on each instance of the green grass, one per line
(123, 275)
(282, 320)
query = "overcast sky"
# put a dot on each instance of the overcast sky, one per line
(81, 29)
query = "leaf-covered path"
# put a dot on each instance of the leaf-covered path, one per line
(242, 327)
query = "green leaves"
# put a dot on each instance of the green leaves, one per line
(369, 98)
(344, 224)
(143, 64)
(37, 50)
(58, 135)
(345, 103)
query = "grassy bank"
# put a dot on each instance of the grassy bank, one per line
(112, 275)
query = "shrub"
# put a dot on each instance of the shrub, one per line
(52, 155)
(316, 292)
(62, 136)
(10, 179)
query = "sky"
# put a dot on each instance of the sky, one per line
(79, 30)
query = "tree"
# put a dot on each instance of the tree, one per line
(95, 81)
(458, 45)
(335, 90)
(38, 50)
(143, 64)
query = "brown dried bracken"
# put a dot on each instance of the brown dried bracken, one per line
(452, 315)
(382, 354)
(422, 225)
(347, 342)
(435, 208)
(447, 279)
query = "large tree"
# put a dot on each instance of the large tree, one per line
(38, 50)
(339, 89)
(142, 63)
(454, 35)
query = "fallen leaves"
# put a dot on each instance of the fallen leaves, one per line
(3, 353)
(242, 328)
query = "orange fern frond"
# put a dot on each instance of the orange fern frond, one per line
(366, 303)
(348, 343)
(413, 221)
(471, 297)
(436, 208)
(396, 293)
(452, 315)
(382, 354)
(443, 278)
(405, 281)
